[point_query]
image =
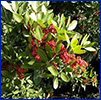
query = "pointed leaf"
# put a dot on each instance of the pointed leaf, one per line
(17, 17)
(39, 33)
(72, 26)
(57, 47)
(55, 83)
(68, 22)
(44, 10)
(90, 49)
(64, 77)
(53, 70)
(42, 55)
(77, 50)
(6, 5)
(33, 16)
(49, 50)
(15, 5)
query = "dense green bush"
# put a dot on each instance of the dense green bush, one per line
(41, 52)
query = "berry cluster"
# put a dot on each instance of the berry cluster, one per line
(5, 65)
(67, 58)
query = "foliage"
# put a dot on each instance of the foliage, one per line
(87, 13)
(32, 44)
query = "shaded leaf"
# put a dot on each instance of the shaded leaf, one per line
(42, 55)
(49, 50)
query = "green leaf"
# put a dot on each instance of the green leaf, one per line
(15, 5)
(39, 33)
(45, 75)
(90, 49)
(6, 74)
(64, 77)
(53, 70)
(67, 39)
(42, 55)
(72, 26)
(36, 77)
(49, 50)
(77, 50)
(41, 23)
(17, 82)
(51, 21)
(34, 5)
(27, 17)
(33, 16)
(6, 5)
(62, 21)
(69, 69)
(84, 39)
(55, 83)
(91, 44)
(17, 17)
(31, 62)
(74, 43)
(36, 65)
(68, 22)
(57, 47)
(44, 9)
(16, 92)
(91, 73)
(48, 37)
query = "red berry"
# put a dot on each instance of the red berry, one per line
(95, 52)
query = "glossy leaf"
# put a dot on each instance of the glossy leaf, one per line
(90, 49)
(6, 5)
(44, 10)
(72, 25)
(64, 77)
(55, 83)
(15, 5)
(77, 50)
(31, 62)
(17, 17)
(33, 16)
(53, 70)
(39, 33)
